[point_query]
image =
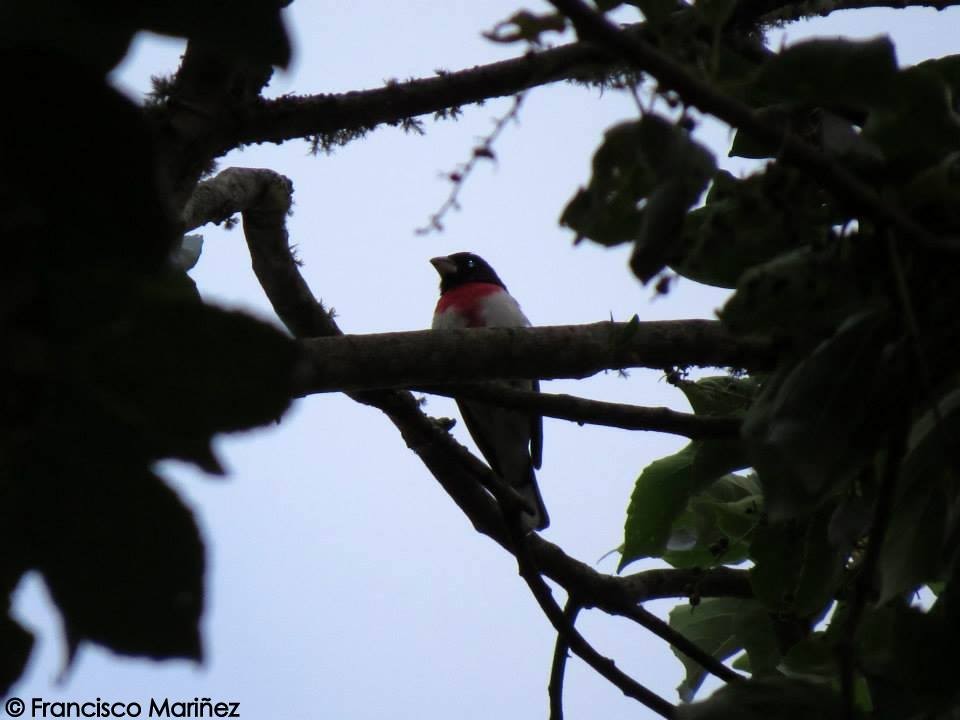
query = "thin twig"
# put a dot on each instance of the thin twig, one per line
(672, 75)
(559, 665)
(595, 412)
(482, 151)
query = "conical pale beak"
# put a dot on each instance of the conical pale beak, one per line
(444, 265)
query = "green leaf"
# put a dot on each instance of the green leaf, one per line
(766, 698)
(829, 72)
(818, 423)
(717, 525)
(646, 175)
(664, 488)
(720, 394)
(797, 569)
(913, 547)
(722, 627)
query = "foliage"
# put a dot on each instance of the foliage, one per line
(860, 413)
(111, 361)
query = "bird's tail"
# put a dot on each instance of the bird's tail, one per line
(535, 517)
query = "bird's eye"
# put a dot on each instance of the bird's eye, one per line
(470, 263)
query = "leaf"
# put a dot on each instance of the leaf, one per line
(913, 546)
(16, 643)
(98, 34)
(917, 126)
(841, 73)
(797, 569)
(162, 375)
(663, 490)
(646, 175)
(818, 423)
(805, 293)
(526, 26)
(934, 194)
(720, 395)
(122, 557)
(721, 627)
(765, 698)
(749, 222)
(717, 525)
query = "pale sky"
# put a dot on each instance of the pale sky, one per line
(342, 583)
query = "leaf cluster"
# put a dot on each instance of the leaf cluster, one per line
(845, 506)
(111, 361)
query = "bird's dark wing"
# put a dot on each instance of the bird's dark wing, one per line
(536, 433)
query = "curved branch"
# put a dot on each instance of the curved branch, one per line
(558, 666)
(461, 475)
(439, 357)
(698, 93)
(595, 412)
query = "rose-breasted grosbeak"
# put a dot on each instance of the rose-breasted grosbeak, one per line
(472, 295)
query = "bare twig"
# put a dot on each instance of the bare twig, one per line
(457, 178)
(672, 75)
(559, 665)
(595, 412)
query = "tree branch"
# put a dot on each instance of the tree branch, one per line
(461, 475)
(559, 665)
(595, 412)
(292, 117)
(435, 357)
(576, 642)
(672, 75)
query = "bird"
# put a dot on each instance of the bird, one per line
(473, 295)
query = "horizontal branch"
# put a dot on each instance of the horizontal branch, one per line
(672, 75)
(595, 412)
(292, 117)
(440, 357)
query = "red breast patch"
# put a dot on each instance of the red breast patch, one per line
(466, 300)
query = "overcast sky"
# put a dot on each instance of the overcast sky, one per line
(342, 582)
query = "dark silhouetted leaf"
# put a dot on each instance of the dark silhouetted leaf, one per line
(817, 424)
(15, 645)
(913, 548)
(646, 175)
(766, 698)
(829, 72)
(749, 222)
(917, 126)
(797, 570)
(122, 557)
